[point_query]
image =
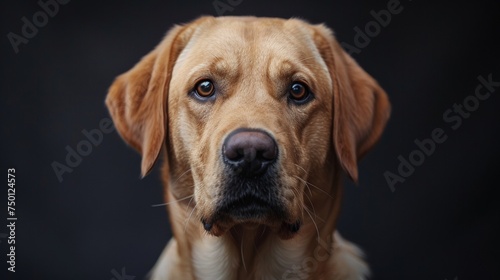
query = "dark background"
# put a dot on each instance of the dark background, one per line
(440, 223)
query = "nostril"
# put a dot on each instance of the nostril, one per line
(268, 154)
(233, 154)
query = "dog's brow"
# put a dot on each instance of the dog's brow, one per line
(221, 67)
(216, 66)
(280, 69)
(286, 69)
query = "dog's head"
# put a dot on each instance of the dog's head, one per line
(253, 114)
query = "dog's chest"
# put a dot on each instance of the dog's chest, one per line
(214, 259)
(217, 258)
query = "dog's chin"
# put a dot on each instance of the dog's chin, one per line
(250, 217)
(284, 230)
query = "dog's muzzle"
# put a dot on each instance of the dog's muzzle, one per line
(250, 190)
(251, 183)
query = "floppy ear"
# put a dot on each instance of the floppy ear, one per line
(137, 99)
(361, 107)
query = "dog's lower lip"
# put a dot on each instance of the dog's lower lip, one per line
(249, 211)
(247, 207)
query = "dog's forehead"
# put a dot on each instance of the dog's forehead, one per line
(274, 47)
(262, 35)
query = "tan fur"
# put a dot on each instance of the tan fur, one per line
(252, 61)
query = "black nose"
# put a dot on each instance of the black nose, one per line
(249, 152)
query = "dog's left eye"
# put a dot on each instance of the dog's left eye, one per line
(204, 89)
(299, 93)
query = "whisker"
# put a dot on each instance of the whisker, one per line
(189, 217)
(241, 251)
(170, 202)
(310, 201)
(314, 222)
(180, 176)
(305, 172)
(261, 234)
(316, 216)
(296, 193)
(189, 203)
(309, 189)
(312, 185)
(319, 218)
(310, 193)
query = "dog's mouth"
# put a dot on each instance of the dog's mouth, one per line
(251, 209)
(285, 230)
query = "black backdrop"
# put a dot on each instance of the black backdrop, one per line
(98, 223)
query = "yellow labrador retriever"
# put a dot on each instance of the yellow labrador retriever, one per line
(256, 119)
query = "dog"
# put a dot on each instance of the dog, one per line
(257, 120)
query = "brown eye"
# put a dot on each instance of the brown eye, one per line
(299, 93)
(205, 89)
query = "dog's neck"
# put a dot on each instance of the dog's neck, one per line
(256, 252)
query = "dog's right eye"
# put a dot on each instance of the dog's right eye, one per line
(204, 89)
(299, 93)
